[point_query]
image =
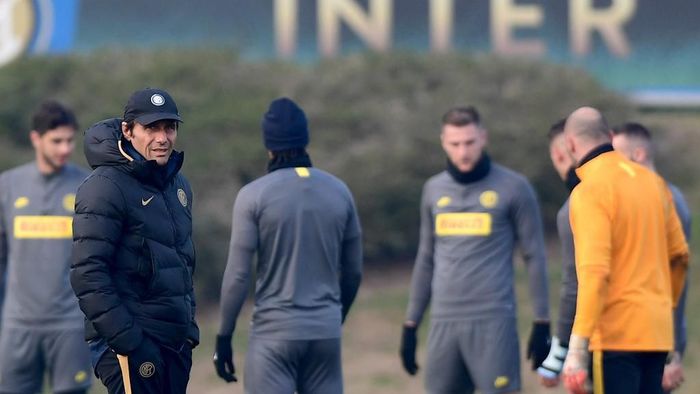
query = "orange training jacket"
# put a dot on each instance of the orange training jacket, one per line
(631, 256)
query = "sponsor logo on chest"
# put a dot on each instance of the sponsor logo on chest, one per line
(43, 227)
(466, 223)
(463, 223)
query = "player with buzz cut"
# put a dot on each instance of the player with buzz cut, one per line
(42, 326)
(473, 215)
(631, 262)
(634, 141)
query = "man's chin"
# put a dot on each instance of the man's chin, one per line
(161, 161)
(58, 164)
(465, 167)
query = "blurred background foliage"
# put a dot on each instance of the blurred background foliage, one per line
(374, 121)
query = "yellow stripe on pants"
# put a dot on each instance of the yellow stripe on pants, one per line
(598, 372)
(124, 365)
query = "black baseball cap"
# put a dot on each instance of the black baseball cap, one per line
(151, 105)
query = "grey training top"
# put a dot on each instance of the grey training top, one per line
(567, 308)
(36, 213)
(467, 237)
(303, 225)
(569, 282)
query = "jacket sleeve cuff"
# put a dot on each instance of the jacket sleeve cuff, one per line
(193, 334)
(127, 342)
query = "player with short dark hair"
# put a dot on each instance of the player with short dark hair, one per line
(473, 215)
(42, 326)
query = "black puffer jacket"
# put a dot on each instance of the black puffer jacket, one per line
(133, 255)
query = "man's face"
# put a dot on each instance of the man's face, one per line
(561, 159)
(463, 145)
(55, 146)
(154, 141)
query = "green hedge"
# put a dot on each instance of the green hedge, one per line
(374, 122)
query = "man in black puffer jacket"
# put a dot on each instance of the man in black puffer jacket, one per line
(133, 255)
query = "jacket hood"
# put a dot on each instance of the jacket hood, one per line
(102, 141)
(104, 146)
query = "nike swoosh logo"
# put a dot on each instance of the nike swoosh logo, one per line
(145, 202)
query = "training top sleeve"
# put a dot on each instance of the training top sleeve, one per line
(528, 227)
(569, 283)
(592, 228)
(242, 249)
(680, 325)
(97, 229)
(351, 261)
(678, 253)
(422, 277)
(3, 243)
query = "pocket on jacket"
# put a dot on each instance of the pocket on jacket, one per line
(146, 266)
(167, 266)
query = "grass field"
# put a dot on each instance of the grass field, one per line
(371, 338)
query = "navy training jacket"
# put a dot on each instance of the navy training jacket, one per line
(133, 255)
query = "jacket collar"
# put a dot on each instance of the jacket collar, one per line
(597, 151)
(595, 162)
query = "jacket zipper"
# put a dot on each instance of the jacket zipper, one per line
(172, 225)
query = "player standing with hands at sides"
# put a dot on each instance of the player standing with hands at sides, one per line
(472, 217)
(634, 141)
(631, 261)
(42, 326)
(302, 224)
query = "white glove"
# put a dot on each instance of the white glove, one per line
(552, 365)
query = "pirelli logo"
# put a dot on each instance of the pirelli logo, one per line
(467, 223)
(43, 227)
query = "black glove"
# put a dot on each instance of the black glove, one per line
(538, 345)
(408, 349)
(223, 359)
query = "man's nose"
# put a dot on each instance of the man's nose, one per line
(65, 148)
(463, 151)
(160, 136)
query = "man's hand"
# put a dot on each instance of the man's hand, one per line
(551, 367)
(538, 345)
(575, 373)
(223, 359)
(408, 348)
(673, 373)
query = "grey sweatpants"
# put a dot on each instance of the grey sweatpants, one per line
(466, 355)
(27, 354)
(288, 366)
